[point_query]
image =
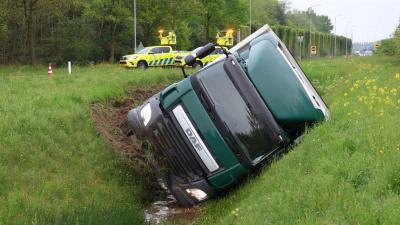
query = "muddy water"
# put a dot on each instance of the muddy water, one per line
(160, 210)
(163, 206)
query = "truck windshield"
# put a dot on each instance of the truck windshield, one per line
(231, 108)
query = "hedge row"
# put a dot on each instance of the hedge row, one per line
(325, 42)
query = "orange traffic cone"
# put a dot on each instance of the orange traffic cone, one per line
(49, 71)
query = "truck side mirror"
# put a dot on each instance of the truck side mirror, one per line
(205, 51)
(201, 53)
(190, 59)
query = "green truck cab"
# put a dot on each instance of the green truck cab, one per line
(214, 127)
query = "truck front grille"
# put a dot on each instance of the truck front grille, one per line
(171, 144)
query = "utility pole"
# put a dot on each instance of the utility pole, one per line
(134, 15)
(352, 41)
(334, 52)
(347, 27)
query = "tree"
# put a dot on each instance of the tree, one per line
(301, 19)
(396, 38)
(3, 27)
(111, 14)
(390, 46)
(183, 39)
(209, 15)
(42, 31)
(281, 13)
(298, 19)
(151, 15)
(323, 24)
(29, 6)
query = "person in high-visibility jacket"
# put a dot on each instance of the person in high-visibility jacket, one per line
(151, 56)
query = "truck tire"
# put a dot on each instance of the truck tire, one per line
(142, 65)
(197, 65)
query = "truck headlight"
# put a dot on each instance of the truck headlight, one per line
(145, 114)
(196, 193)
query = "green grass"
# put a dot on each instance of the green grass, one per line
(54, 167)
(345, 171)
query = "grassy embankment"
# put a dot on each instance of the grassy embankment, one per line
(345, 171)
(54, 167)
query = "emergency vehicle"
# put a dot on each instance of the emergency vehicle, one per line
(154, 56)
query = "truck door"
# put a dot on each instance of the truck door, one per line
(167, 57)
(155, 56)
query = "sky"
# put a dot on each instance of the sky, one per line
(370, 20)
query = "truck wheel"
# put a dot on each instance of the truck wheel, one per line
(142, 65)
(197, 65)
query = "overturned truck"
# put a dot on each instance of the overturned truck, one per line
(218, 124)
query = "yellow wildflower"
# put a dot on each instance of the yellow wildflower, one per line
(345, 94)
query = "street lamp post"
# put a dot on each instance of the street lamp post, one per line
(334, 52)
(134, 15)
(347, 27)
(352, 40)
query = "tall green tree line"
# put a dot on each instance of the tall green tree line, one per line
(390, 46)
(84, 31)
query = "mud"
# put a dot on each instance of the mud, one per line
(108, 116)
